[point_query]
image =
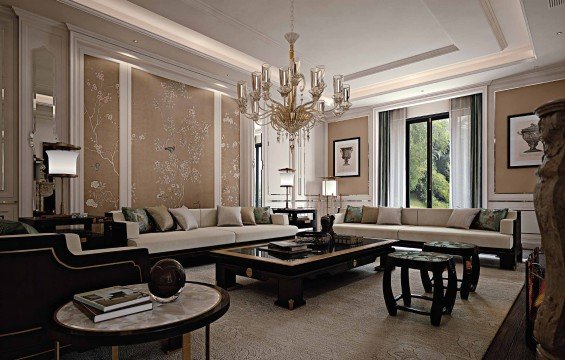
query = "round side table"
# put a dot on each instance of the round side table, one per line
(471, 264)
(442, 303)
(198, 306)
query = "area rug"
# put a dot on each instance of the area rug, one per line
(344, 318)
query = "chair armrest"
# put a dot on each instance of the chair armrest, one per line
(280, 219)
(125, 230)
(339, 218)
(507, 226)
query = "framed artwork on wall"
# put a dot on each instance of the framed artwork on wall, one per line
(346, 157)
(524, 142)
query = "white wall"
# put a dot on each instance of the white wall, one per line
(430, 108)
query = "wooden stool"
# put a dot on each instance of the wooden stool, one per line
(471, 264)
(423, 261)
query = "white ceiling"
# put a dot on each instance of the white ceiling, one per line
(388, 49)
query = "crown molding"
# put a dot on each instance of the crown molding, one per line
(34, 19)
(469, 67)
(403, 62)
(494, 25)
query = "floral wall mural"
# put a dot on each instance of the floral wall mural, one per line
(172, 143)
(101, 135)
(230, 152)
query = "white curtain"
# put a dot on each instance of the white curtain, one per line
(397, 174)
(460, 172)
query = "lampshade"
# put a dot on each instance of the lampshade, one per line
(287, 177)
(329, 187)
(62, 162)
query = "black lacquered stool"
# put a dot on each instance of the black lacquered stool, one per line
(442, 303)
(471, 264)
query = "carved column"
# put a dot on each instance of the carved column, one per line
(549, 201)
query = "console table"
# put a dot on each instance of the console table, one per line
(293, 217)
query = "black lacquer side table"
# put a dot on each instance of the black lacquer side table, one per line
(442, 303)
(471, 264)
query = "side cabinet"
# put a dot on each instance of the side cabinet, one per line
(9, 170)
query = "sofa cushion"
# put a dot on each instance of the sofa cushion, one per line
(10, 227)
(229, 216)
(370, 214)
(260, 232)
(433, 233)
(489, 219)
(262, 215)
(247, 215)
(409, 216)
(208, 217)
(368, 230)
(161, 216)
(389, 216)
(353, 214)
(433, 217)
(461, 218)
(139, 216)
(182, 240)
(185, 218)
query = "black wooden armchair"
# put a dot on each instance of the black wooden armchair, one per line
(41, 272)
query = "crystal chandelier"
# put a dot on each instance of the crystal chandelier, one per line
(291, 117)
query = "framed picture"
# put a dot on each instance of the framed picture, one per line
(346, 157)
(524, 141)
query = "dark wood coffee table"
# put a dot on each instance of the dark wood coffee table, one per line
(290, 271)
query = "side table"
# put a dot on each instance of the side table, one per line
(198, 306)
(293, 217)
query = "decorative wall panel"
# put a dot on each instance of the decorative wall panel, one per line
(172, 149)
(230, 152)
(101, 135)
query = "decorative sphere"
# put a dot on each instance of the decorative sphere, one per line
(166, 280)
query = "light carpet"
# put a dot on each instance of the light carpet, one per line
(345, 317)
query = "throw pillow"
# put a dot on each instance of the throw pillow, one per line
(139, 216)
(389, 216)
(248, 216)
(229, 216)
(163, 219)
(489, 219)
(370, 214)
(184, 218)
(462, 218)
(10, 227)
(353, 214)
(262, 215)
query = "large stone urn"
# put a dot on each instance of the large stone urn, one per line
(549, 202)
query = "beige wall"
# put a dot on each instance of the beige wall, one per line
(510, 102)
(357, 127)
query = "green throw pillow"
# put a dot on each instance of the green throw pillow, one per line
(9, 227)
(353, 214)
(139, 216)
(488, 219)
(262, 215)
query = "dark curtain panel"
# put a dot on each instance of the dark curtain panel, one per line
(384, 156)
(476, 149)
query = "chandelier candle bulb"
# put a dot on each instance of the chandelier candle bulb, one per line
(314, 77)
(256, 81)
(255, 107)
(338, 84)
(296, 67)
(283, 76)
(322, 71)
(346, 92)
(320, 106)
(242, 90)
(266, 73)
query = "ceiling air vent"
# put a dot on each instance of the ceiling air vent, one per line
(554, 3)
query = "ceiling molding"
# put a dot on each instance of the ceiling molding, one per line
(403, 62)
(469, 67)
(494, 25)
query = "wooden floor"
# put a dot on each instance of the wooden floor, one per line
(509, 342)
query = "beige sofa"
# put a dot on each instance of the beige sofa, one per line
(423, 225)
(208, 236)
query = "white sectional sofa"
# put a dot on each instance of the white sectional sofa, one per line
(206, 237)
(423, 225)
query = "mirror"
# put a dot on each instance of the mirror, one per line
(44, 125)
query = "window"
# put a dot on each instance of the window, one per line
(427, 161)
(258, 175)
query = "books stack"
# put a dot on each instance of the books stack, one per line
(288, 246)
(112, 302)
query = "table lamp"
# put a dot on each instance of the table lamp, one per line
(329, 188)
(287, 181)
(62, 164)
